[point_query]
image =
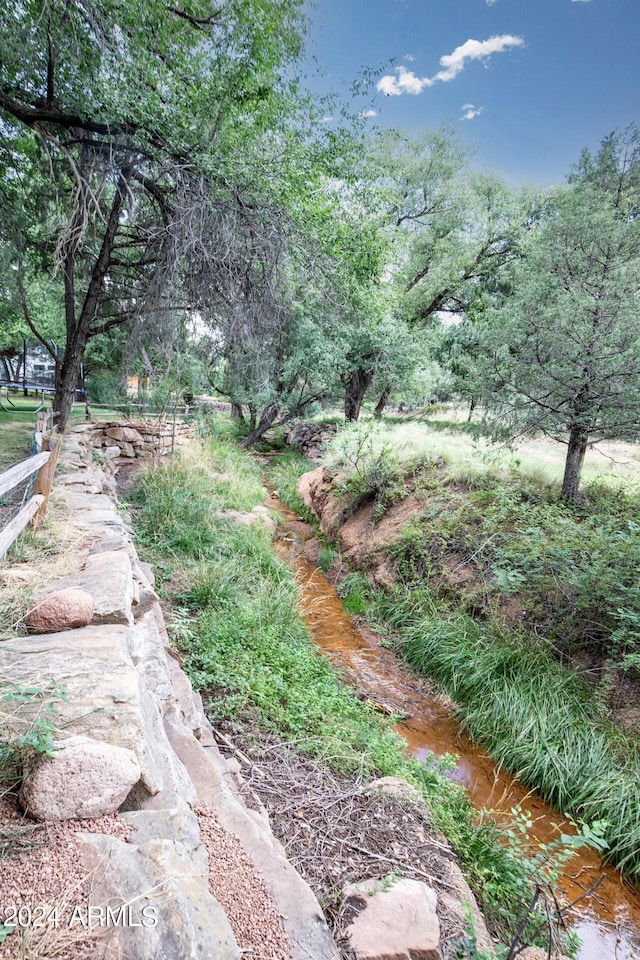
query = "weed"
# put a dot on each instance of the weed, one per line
(375, 473)
(466, 946)
(326, 555)
(285, 471)
(354, 592)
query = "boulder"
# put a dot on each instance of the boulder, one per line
(106, 697)
(161, 877)
(61, 610)
(126, 434)
(108, 579)
(84, 778)
(316, 491)
(397, 787)
(310, 438)
(398, 920)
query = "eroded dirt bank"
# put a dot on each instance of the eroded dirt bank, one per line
(609, 922)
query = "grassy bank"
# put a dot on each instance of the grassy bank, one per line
(246, 648)
(543, 579)
(445, 430)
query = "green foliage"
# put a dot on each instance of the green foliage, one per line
(559, 354)
(572, 567)
(354, 590)
(285, 469)
(374, 472)
(105, 386)
(534, 716)
(453, 227)
(326, 555)
(245, 640)
(247, 649)
(466, 947)
(27, 723)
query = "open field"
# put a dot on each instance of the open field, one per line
(17, 424)
(445, 432)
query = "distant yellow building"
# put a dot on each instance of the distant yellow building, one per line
(137, 384)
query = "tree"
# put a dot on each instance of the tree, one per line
(121, 115)
(562, 355)
(453, 228)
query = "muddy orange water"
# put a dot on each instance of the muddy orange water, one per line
(608, 922)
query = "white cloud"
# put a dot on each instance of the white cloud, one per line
(454, 63)
(471, 111)
(405, 82)
(326, 120)
(490, 3)
(369, 113)
(409, 57)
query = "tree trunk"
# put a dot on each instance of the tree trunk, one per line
(356, 387)
(382, 402)
(267, 419)
(66, 385)
(576, 450)
(236, 412)
(472, 406)
(78, 332)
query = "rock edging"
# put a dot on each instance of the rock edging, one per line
(126, 695)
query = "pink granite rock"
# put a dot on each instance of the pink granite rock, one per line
(61, 610)
(398, 922)
(85, 778)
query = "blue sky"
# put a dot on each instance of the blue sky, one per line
(534, 80)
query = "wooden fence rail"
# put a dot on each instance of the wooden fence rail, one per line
(43, 464)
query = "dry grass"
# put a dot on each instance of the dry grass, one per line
(37, 558)
(445, 433)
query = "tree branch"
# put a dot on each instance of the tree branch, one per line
(27, 316)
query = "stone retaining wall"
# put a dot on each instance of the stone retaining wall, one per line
(138, 438)
(127, 692)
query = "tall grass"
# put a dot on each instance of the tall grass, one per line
(535, 717)
(448, 434)
(244, 638)
(532, 715)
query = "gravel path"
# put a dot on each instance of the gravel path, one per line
(42, 876)
(41, 869)
(234, 883)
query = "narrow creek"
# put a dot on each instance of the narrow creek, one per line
(608, 922)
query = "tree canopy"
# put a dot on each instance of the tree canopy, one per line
(561, 353)
(162, 169)
(116, 124)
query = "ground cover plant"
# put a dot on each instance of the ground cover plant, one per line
(503, 593)
(444, 429)
(235, 619)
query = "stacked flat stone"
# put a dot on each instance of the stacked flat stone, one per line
(310, 438)
(139, 438)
